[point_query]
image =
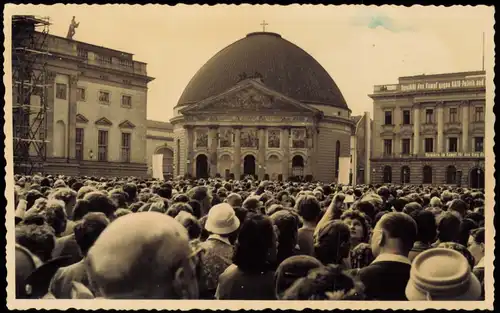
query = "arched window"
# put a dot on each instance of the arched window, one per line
(337, 159)
(451, 175)
(387, 175)
(405, 175)
(427, 175)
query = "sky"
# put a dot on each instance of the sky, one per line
(359, 46)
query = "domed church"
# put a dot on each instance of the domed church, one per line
(262, 106)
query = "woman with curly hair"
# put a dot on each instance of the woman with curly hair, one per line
(359, 226)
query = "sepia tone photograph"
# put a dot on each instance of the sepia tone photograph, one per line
(285, 157)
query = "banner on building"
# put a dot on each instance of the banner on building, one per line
(344, 166)
(158, 166)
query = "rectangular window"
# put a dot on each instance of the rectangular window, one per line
(452, 144)
(79, 144)
(429, 116)
(125, 147)
(80, 94)
(61, 91)
(405, 146)
(478, 144)
(82, 53)
(406, 117)
(388, 118)
(104, 97)
(102, 150)
(127, 101)
(479, 114)
(453, 115)
(429, 145)
(387, 146)
(104, 59)
(126, 63)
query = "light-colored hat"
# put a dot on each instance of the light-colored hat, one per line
(222, 220)
(442, 274)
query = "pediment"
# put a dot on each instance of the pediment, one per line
(453, 130)
(126, 124)
(81, 119)
(249, 96)
(406, 132)
(103, 122)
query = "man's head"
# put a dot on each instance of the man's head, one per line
(155, 259)
(394, 233)
(88, 230)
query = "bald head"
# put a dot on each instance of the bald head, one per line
(138, 255)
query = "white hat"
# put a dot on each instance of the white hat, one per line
(442, 274)
(222, 220)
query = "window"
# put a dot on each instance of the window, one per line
(387, 175)
(127, 101)
(453, 115)
(387, 146)
(451, 175)
(406, 117)
(125, 147)
(82, 53)
(80, 94)
(104, 59)
(479, 114)
(126, 63)
(405, 146)
(405, 175)
(79, 144)
(427, 175)
(429, 116)
(388, 118)
(429, 145)
(102, 149)
(104, 97)
(452, 144)
(61, 91)
(478, 144)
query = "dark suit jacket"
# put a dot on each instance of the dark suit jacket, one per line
(385, 280)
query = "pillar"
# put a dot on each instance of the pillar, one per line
(465, 126)
(440, 127)
(285, 139)
(189, 151)
(416, 129)
(310, 152)
(72, 108)
(368, 148)
(314, 166)
(237, 153)
(50, 95)
(354, 159)
(262, 153)
(212, 148)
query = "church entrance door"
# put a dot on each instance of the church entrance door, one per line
(249, 165)
(298, 166)
(476, 178)
(202, 166)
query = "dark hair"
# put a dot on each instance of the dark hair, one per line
(192, 225)
(459, 206)
(287, 224)
(291, 269)
(134, 207)
(478, 235)
(252, 204)
(476, 217)
(332, 243)
(82, 207)
(119, 197)
(180, 198)
(401, 226)
(466, 226)
(88, 230)
(31, 197)
(367, 207)
(131, 190)
(100, 202)
(38, 239)
(308, 208)
(177, 207)
(255, 240)
(196, 207)
(399, 204)
(448, 227)
(359, 216)
(426, 226)
(411, 207)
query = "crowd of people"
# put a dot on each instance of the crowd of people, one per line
(133, 238)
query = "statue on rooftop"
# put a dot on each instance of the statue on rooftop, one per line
(72, 27)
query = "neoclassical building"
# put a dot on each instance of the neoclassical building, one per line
(261, 106)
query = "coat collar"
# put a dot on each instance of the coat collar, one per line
(219, 238)
(389, 257)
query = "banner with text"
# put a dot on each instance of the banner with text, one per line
(442, 85)
(455, 155)
(344, 166)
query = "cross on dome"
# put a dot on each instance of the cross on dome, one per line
(264, 24)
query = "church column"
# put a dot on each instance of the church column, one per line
(237, 153)
(285, 139)
(213, 143)
(50, 92)
(416, 129)
(262, 153)
(72, 108)
(189, 150)
(465, 126)
(310, 153)
(440, 127)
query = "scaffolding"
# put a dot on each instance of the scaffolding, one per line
(29, 87)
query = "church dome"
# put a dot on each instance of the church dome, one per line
(283, 66)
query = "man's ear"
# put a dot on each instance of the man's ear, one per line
(382, 239)
(482, 247)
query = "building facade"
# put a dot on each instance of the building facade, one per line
(96, 110)
(361, 145)
(264, 107)
(429, 129)
(160, 140)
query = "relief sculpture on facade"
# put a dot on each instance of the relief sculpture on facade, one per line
(201, 138)
(247, 118)
(226, 138)
(249, 138)
(273, 138)
(298, 138)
